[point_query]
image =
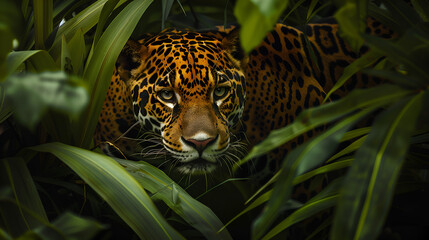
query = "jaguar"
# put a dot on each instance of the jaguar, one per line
(196, 103)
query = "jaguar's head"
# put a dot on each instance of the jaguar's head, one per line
(189, 89)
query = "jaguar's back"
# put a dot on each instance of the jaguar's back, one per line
(197, 103)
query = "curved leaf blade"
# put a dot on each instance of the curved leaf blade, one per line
(117, 187)
(327, 198)
(192, 211)
(99, 70)
(325, 113)
(300, 160)
(369, 185)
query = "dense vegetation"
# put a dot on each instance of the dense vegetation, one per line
(56, 61)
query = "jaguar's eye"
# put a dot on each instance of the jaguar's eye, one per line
(166, 95)
(220, 92)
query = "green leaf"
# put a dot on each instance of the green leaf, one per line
(99, 70)
(70, 226)
(43, 22)
(117, 187)
(299, 161)
(422, 7)
(84, 20)
(256, 18)
(365, 61)
(325, 113)
(33, 94)
(14, 173)
(40, 58)
(192, 211)
(166, 7)
(355, 133)
(327, 198)
(370, 182)
(76, 47)
(349, 149)
(352, 20)
(105, 13)
(6, 47)
(5, 108)
(403, 80)
(410, 50)
(11, 18)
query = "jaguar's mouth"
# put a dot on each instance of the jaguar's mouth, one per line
(197, 166)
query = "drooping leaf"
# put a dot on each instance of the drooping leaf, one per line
(370, 183)
(117, 187)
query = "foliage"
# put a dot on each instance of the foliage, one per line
(56, 61)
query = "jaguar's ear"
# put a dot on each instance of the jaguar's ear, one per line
(131, 58)
(231, 43)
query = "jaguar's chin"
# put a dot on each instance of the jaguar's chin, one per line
(198, 166)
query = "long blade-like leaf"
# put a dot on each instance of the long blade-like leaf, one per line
(14, 174)
(370, 183)
(192, 211)
(328, 197)
(84, 20)
(323, 114)
(117, 187)
(43, 23)
(41, 59)
(99, 71)
(299, 161)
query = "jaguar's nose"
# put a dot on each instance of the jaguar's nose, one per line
(200, 144)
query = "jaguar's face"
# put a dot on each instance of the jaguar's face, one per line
(190, 91)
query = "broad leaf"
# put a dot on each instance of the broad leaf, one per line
(117, 187)
(256, 18)
(192, 211)
(33, 94)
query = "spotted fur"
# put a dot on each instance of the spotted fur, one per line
(193, 101)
